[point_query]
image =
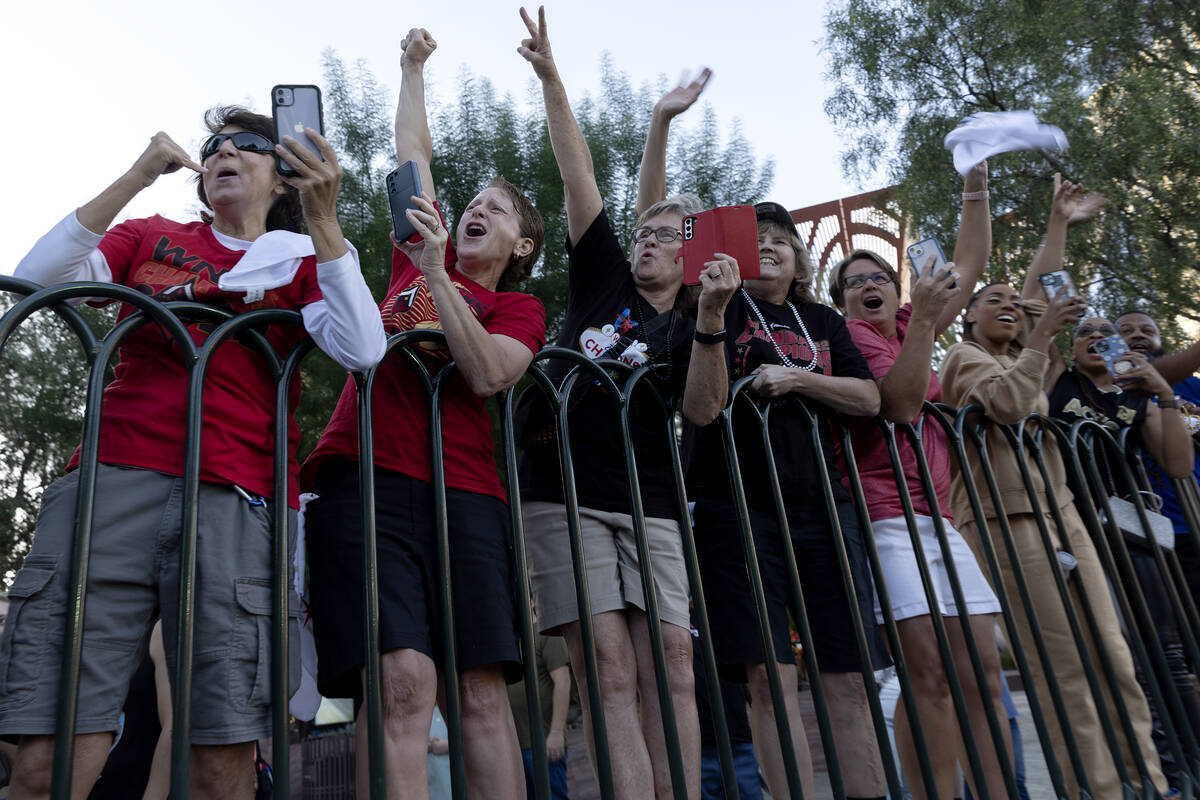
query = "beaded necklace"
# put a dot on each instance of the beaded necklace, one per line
(641, 320)
(787, 362)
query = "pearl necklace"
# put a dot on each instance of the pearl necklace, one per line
(787, 362)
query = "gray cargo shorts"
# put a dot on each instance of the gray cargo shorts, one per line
(133, 578)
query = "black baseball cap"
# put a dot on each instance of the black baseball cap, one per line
(773, 212)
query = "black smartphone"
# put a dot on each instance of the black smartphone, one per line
(295, 108)
(403, 184)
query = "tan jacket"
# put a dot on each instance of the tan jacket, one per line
(1009, 389)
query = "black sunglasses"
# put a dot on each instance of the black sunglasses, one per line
(242, 140)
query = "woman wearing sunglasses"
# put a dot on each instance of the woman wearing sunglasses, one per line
(250, 211)
(1084, 388)
(897, 341)
(1002, 364)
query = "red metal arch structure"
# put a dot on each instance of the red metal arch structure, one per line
(870, 221)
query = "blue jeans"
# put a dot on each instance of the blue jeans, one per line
(558, 776)
(745, 764)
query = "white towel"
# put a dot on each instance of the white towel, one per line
(990, 132)
(270, 262)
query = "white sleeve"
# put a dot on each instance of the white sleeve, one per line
(67, 252)
(346, 324)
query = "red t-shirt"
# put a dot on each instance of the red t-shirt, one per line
(874, 465)
(145, 405)
(401, 407)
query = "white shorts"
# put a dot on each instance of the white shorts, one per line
(903, 579)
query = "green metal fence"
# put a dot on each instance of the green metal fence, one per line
(1084, 445)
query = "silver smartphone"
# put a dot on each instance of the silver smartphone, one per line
(1055, 281)
(295, 108)
(920, 252)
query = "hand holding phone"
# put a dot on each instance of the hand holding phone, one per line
(926, 255)
(295, 108)
(1117, 357)
(731, 230)
(1058, 280)
(403, 184)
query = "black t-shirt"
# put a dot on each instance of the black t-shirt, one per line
(1075, 397)
(607, 318)
(746, 349)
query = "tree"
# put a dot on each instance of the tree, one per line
(44, 372)
(477, 135)
(480, 134)
(1122, 80)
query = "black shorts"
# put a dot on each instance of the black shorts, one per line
(485, 619)
(731, 610)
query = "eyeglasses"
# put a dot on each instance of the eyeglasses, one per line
(1088, 330)
(242, 140)
(664, 235)
(856, 281)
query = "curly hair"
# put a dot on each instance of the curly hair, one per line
(285, 213)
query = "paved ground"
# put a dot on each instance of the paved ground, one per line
(582, 785)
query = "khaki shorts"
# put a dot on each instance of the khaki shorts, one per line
(133, 577)
(610, 556)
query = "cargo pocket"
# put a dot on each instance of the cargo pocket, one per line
(27, 637)
(250, 666)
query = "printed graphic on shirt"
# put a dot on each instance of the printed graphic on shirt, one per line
(172, 273)
(1124, 413)
(599, 342)
(413, 310)
(792, 344)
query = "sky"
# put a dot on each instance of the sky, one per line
(89, 83)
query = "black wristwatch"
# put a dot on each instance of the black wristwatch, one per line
(709, 338)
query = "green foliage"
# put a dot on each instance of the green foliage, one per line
(476, 136)
(1123, 82)
(44, 372)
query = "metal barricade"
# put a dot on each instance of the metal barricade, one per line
(967, 435)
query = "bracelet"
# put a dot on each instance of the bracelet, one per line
(982, 194)
(1171, 403)
(709, 338)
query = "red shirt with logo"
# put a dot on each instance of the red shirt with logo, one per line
(143, 419)
(400, 411)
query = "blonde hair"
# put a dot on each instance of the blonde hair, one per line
(801, 289)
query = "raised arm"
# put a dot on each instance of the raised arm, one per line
(971, 248)
(1070, 207)
(652, 177)
(68, 251)
(580, 191)
(902, 390)
(413, 142)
